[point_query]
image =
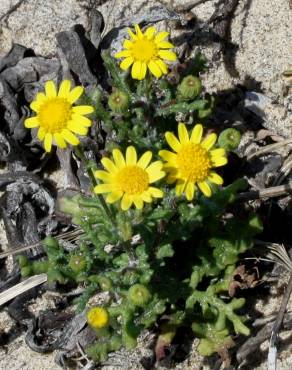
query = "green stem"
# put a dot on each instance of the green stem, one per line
(80, 153)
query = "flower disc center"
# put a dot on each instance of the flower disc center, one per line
(193, 162)
(54, 114)
(133, 180)
(144, 50)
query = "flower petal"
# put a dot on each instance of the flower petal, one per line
(154, 69)
(183, 134)
(48, 142)
(126, 203)
(220, 152)
(190, 190)
(156, 193)
(31, 122)
(139, 33)
(119, 159)
(145, 160)
(40, 97)
(41, 134)
(149, 33)
(83, 109)
(196, 135)
(35, 105)
(146, 196)
(219, 161)
(64, 89)
(165, 45)
(103, 175)
(59, 140)
(136, 68)
(215, 178)
(77, 128)
(143, 71)
(132, 35)
(50, 89)
(109, 165)
(180, 187)
(84, 121)
(168, 156)
(205, 188)
(128, 44)
(161, 65)
(172, 141)
(161, 36)
(69, 137)
(155, 172)
(126, 63)
(167, 55)
(131, 156)
(114, 196)
(75, 94)
(138, 203)
(123, 54)
(103, 188)
(209, 141)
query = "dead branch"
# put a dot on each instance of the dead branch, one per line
(272, 356)
(272, 192)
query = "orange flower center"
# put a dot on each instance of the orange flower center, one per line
(193, 162)
(54, 114)
(133, 180)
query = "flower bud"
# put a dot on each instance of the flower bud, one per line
(139, 295)
(22, 261)
(97, 317)
(51, 242)
(118, 101)
(189, 88)
(229, 139)
(77, 263)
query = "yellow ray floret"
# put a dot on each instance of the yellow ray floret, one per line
(56, 118)
(130, 179)
(146, 50)
(192, 162)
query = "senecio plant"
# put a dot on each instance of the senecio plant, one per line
(156, 233)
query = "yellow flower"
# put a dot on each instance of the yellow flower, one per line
(57, 118)
(192, 163)
(146, 50)
(129, 178)
(97, 317)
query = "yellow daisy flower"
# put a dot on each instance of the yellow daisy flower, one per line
(146, 50)
(97, 317)
(56, 117)
(129, 178)
(192, 163)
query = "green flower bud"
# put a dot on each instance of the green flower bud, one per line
(118, 101)
(26, 271)
(77, 263)
(70, 206)
(139, 295)
(22, 261)
(51, 242)
(189, 88)
(104, 283)
(229, 139)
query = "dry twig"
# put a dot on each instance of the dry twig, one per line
(274, 191)
(69, 236)
(22, 287)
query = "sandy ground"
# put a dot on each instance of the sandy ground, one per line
(262, 30)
